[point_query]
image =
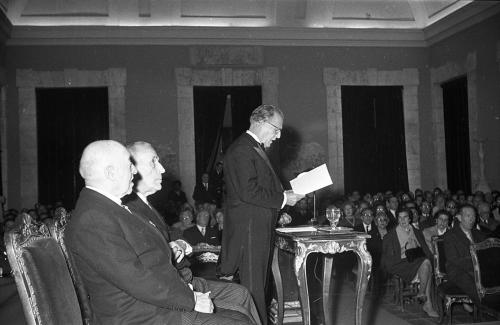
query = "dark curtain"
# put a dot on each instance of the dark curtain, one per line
(209, 105)
(67, 120)
(456, 129)
(373, 138)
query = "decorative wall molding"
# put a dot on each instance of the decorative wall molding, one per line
(438, 76)
(27, 81)
(245, 31)
(232, 36)
(334, 78)
(187, 78)
(227, 56)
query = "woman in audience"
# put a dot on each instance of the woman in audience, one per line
(347, 219)
(185, 221)
(405, 253)
(451, 207)
(379, 207)
(374, 245)
(425, 212)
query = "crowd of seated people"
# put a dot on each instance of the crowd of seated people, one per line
(401, 226)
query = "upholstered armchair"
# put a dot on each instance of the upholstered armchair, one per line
(61, 217)
(42, 276)
(486, 262)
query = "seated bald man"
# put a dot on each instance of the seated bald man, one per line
(126, 262)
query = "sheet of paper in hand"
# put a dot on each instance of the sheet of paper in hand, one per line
(312, 180)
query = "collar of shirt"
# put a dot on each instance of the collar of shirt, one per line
(143, 198)
(439, 232)
(200, 228)
(113, 198)
(256, 138)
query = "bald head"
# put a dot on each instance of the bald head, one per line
(106, 165)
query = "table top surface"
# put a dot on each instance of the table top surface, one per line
(318, 233)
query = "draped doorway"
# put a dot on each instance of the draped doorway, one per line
(373, 139)
(456, 130)
(221, 114)
(67, 120)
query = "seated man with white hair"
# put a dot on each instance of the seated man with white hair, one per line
(126, 262)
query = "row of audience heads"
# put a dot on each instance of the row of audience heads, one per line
(441, 208)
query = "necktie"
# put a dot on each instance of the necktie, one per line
(203, 231)
(367, 228)
(206, 186)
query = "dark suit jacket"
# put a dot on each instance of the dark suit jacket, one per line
(140, 208)
(193, 236)
(125, 263)
(254, 194)
(457, 252)
(374, 246)
(361, 228)
(202, 195)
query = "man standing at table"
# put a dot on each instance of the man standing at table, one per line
(254, 197)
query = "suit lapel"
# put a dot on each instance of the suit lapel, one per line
(263, 155)
(147, 215)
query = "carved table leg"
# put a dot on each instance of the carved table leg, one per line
(327, 275)
(275, 267)
(364, 270)
(301, 273)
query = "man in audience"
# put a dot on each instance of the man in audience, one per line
(202, 233)
(457, 242)
(392, 206)
(204, 191)
(125, 261)
(147, 182)
(486, 223)
(442, 220)
(217, 178)
(367, 223)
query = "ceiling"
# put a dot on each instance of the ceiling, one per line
(228, 20)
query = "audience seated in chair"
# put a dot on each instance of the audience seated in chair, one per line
(442, 220)
(126, 262)
(185, 221)
(486, 223)
(395, 260)
(457, 243)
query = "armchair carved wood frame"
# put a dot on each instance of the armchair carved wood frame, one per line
(41, 274)
(486, 262)
(49, 286)
(446, 293)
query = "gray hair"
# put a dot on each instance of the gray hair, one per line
(136, 147)
(264, 112)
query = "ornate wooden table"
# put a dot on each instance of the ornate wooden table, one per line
(302, 241)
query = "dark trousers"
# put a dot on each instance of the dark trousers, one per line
(233, 305)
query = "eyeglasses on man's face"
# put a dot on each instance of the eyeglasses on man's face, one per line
(277, 130)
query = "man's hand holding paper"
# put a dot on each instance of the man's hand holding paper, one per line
(292, 197)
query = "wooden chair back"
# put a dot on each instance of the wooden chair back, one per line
(42, 276)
